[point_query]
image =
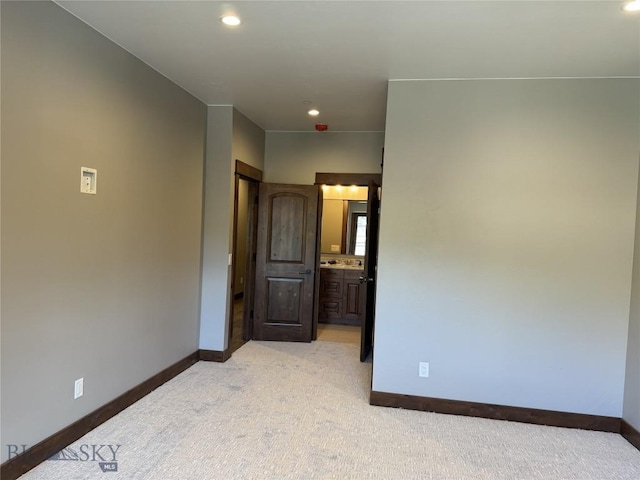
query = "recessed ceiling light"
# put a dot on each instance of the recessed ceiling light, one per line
(231, 20)
(314, 112)
(307, 102)
(633, 6)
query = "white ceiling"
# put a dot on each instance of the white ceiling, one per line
(340, 54)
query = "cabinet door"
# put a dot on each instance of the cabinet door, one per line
(351, 304)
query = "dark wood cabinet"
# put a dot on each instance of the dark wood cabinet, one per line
(331, 282)
(351, 297)
(340, 296)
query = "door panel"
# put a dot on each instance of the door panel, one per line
(332, 287)
(286, 262)
(283, 300)
(368, 278)
(287, 226)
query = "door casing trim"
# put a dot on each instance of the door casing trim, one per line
(244, 171)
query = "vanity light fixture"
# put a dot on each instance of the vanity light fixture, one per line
(313, 112)
(231, 20)
(632, 6)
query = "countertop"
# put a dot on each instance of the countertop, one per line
(341, 266)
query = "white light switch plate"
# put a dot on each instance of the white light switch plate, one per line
(88, 180)
(78, 388)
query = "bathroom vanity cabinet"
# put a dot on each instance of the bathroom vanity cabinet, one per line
(340, 296)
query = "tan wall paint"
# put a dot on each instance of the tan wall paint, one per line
(230, 136)
(632, 381)
(104, 287)
(331, 192)
(506, 241)
(332, 219)
(296, 157)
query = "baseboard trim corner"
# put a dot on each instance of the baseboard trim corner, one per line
(497, 412)
(32, 457)
(630, 434)
(214, 355)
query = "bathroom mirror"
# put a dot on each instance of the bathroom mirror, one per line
(344, 220)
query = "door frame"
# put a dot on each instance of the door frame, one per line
(253, 175)
(326, 178)
(357, 179)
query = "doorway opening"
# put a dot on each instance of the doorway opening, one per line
(348, 257)
(278, 275)
(245, 223)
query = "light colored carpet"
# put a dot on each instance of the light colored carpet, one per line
(300, 411)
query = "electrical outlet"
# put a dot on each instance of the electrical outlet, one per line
(241, 280)
(78, 388)
(423, 369)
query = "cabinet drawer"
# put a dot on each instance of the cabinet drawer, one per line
(331, 283)
(331, 287)
(330, 308)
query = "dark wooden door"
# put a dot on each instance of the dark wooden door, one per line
(286, 262)
(368, 278)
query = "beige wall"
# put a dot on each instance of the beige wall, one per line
(632, 384)
(104, 287)
(334, 192)
(230, 136)
(248, 147)
(248, 141)
(506, 241)
(296, 157)
(332, 221)
(217, 229)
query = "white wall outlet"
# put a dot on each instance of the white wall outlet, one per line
(88, 180)
(78, 388)
(230, 259)
(423, 369)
